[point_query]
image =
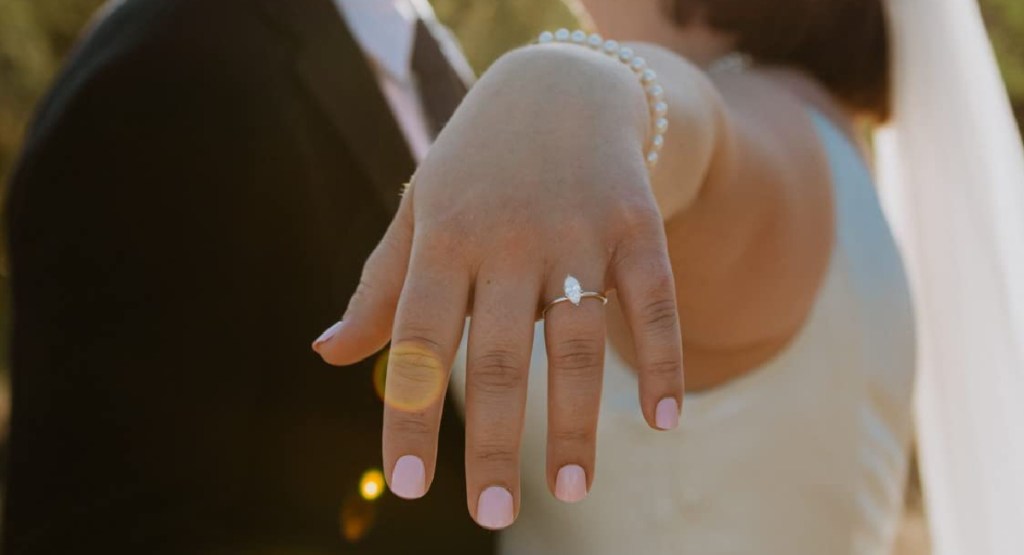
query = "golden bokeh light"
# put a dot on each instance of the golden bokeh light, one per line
(371, 486)
(356, 518)
(416, 380)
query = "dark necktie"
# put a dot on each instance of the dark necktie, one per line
(441, 87)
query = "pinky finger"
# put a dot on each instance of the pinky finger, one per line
(646, 288)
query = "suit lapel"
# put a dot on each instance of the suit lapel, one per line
(448, 43)
(335, 71)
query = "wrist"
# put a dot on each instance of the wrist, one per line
(579, 89)
(697, 134)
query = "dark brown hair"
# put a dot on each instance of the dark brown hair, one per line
(842, 43)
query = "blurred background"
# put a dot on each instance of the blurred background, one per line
(35, 36)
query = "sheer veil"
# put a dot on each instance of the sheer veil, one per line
(952, 179)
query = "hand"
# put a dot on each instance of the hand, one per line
(539, 175)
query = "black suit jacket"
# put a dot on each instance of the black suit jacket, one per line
(193, 206)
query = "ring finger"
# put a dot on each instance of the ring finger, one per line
(575, 337)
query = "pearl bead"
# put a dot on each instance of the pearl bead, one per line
(648, 78)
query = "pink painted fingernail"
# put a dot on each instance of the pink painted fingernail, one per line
(327, 335)
(571, 484)
(408, 480)
(494, 508)
(666, 416)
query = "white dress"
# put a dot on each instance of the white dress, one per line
(805, 455)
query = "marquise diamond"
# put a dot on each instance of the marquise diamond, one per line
(573, 290)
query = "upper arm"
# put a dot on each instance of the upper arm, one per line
(734, 133)
(769, 176)
(749, 220)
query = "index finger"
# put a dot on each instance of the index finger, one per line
(428, 329)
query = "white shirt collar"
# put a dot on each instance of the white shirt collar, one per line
(385, 30)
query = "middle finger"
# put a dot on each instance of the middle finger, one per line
(500, 341)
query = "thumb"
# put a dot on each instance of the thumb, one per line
(366, 326)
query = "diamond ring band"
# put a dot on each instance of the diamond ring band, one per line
(574, 294)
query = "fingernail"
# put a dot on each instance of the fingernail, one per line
(571, 484)
(408, 480)
(666, 416)
(494, 508)
(327, 335)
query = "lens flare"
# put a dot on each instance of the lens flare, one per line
(356, 518)
(371, 486)
(415, 378)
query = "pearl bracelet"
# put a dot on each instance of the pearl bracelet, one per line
(648, 78)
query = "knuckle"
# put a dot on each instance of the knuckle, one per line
(496, 453)
(417, 339)
(664, 369)
(409, 425)
(574, 436)
(411, 362)
(576, 355)
(416, 376)
(497, 370)
(660, 316)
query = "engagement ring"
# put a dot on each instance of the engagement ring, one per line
(574, 294)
